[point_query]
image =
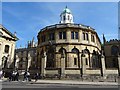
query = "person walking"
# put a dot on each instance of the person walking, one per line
(36, 76)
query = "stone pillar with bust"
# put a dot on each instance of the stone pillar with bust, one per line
(103, 68)
(119, 65)
(43, 65)
(83, 65)
(62, 68)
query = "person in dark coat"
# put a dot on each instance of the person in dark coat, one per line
(25, 76)
(36, 76)
(17, 75)
(10, 76)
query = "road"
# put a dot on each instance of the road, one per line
(20, 84)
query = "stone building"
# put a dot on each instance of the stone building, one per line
(68, 48)
(7, 47)
(26, 58)
(111, 52)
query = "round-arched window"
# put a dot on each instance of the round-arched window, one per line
(114, 50)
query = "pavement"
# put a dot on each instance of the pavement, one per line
(73, 82)
(68, 82)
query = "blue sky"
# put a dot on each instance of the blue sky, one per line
(27, 18)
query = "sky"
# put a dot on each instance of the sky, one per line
(27, 18)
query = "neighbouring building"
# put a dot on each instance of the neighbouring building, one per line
(7, 48)
(26, 58)
(111, 52)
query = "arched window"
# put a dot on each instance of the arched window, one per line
(68, 17)
(1, 33)
(64, 18)
(6, 49)
(75, 50)
(114, 50)
(61, 50)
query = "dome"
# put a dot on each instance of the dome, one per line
(66, 10)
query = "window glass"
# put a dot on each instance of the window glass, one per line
(64, 35)
(83, 36)
(72, 35)
(6, 48)
(64, 18)
(86, 61)
(60, 35)
(75, 61)
(76, 35)
(86, 36)
(51, 36)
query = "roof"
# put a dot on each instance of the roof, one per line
(8, 32)
(66, 10)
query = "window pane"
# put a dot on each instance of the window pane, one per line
(60, 35)
(86, 61)
(83, 36)
(76, 35)
(87, 36)
(75, 61)
(6, 48)
(72, 35)
(64, 35)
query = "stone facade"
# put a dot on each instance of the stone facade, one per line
(65, 44)
(26, 58)
(7, 46)
(112, 51)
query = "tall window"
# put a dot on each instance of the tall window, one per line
(74, 35)
(62, 35)
(75, 61)
(92, 38)
(85, 36)
(43, 38)
(86, 61)
(6, 48)
(64, 18)
(68, 17)
(51, 36)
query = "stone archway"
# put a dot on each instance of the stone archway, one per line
(76, 59)
(87, 58)
(63, 53)
(50, 58)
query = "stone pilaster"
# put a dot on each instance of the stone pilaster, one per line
(119, 65)
(83, 65)
(68, 36)
(80, 36)
(103, 68)
(62, 71)
(43, 65)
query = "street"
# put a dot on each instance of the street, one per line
(20, 84)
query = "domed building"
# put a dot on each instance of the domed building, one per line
(62, 47)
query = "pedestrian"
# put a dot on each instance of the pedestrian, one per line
(17, 75)
(10, 76)
(28, 76)
(1, 74)
(25, 76)
(13, 76)
(36, 76)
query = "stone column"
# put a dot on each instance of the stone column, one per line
(29, 61)
(83, 65)
(43, 64)
(68, 36)
(119, 65)
(62, 71)
(103, 68)
(62, 68)
(80, 36)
